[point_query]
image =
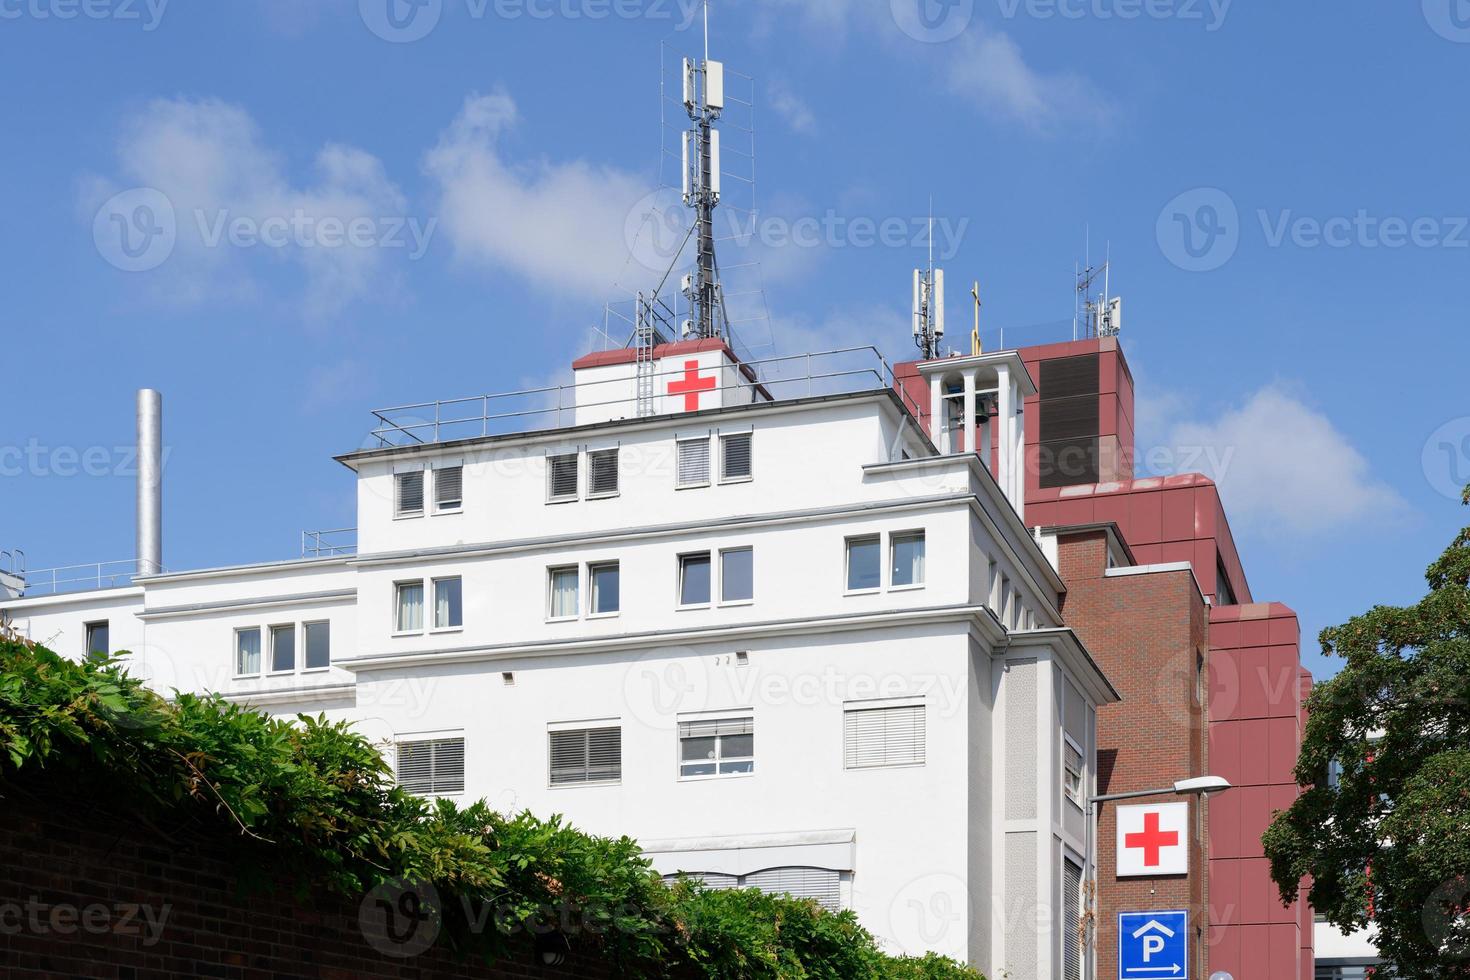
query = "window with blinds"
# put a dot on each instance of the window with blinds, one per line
(432, 766)
(882, 736)
(603, 473)
(717, 747)
(735, 457)
(449, 489)
(1071, 921)
(693, 463)
(586, 755)
(817, 884)
(408, 494)
(561, 477)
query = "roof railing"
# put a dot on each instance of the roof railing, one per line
(845, 371)
(81, 578)
(336, 543)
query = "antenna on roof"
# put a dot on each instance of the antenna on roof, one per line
(704, 101)
(929, 302)
(1096, 315)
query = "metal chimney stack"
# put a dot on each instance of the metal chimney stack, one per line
(150, 482)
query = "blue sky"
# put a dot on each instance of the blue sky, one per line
(1281, 186)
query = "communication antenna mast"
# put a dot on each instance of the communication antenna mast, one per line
(1096, 315)
(929, 303)
(704, 101)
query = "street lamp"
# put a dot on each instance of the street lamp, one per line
(1198, 786)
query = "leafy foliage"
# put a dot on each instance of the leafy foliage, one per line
(1389, 838)
(314, 802)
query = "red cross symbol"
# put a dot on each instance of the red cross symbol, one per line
(1152, 840)
(691, 386)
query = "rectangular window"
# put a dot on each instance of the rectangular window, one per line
(864, 571)
(318, 645)
(1071, 920)
(283, 648)
(883, 736)
(99, 639)
(563, 584)
(409, 614)
(694, 583)
(432, 766)
(606, 588)
(408, 494)
(448, 603)
(1072, 771)
(561, 477)
(247, 652)
(908, 559)
(735, 457)
(589, 755)
(693, 463)
(449, 489)
(723, 747)
(737, 575)
(602, 467)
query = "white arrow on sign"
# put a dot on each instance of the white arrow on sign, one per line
(1155, 969)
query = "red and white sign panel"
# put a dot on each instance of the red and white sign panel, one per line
(1153, 840)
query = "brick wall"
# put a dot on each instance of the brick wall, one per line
(104, 897)
(1147, 632)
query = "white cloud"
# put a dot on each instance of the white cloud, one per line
(792, 109)
(1282, 466)
(988, 69)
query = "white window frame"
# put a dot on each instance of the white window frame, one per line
(305, 646)
(269, 654)
(88, 629)
(457, 509)
(616, 453)
(847, 543)
(259, 652)
(592, 568)
(888, 704)
(1076, 798)
(709, 556)
(923, 535)
(719, 758)
(431, 602)
(709, 462)
(551, 572)
(398, 587)
(748, 435)
(585, 729)
(728, 603)
(408, 515)
(551, 457)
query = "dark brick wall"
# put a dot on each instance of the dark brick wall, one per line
(83, 896)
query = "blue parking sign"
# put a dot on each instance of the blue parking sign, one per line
(1153, 946)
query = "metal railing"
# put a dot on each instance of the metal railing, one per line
(337, 543)
(844, 371)
(81, 578)
(13, 563)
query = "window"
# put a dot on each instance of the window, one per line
(1071, 920)
(735, 457)
(723, 747)
(448, 603)
(247, 652)
(563, 584)
(408, 494)
(693, 463)
(1072, 770)
(606, 588)
(431, 766)
(589, 755)
(880, 736)
(819, 884)
(908, 559)
(318, 645)
(737, 575)
(694, 583)
(283, 649)
(561, 477)
(603, 469)
(99, 639)
(409, 616)
(864, 572)
(449, 489)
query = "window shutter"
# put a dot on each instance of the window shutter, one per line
(815, 883)
(712, 880)
(715, 727)
(736, 462)
(410, 492)
(432, 766)
(562, 476)
(586, 756)
(604, 472)
(878, 737)
(693, 462)
(449, 488)
(1071, 921)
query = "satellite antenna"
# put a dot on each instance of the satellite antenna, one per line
(929, 303)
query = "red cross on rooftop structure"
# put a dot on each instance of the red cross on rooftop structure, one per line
(1152, 840)
(692, 386)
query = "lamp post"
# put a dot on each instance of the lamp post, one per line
(1198, 786)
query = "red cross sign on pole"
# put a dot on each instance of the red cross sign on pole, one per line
(1153, 840)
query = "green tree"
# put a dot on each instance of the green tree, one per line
(1386, 836)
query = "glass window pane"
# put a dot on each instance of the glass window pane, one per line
(737, 746)
(410, 607)
(737, 767)
(448, 603)
(564, 599)
(283, 648)
(737, 575)
(605, 588)
(694, 584)
(318, 645)
(864, 569)
(247, 651)
(99, 638)
(692, 749)
(698, 769)
(908, 559)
